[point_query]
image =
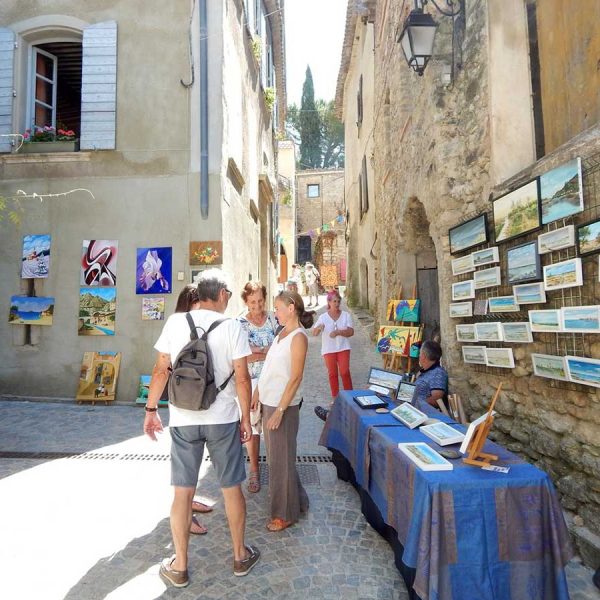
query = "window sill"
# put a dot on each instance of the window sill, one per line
(43, 157)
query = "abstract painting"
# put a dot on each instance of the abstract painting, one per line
(397, 339)
(36, 256)
(98, 376)
(154, 271)
(97, 309)
(99, 263)
(206, 253)
(28, 310)
(407, 311)
(153, 309)
(561, 191)
(517, 212)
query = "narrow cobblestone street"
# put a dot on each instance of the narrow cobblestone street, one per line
(95, 525)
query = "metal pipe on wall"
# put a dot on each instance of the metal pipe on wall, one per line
(203, 109)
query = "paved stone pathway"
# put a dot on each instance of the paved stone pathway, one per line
(95, 527)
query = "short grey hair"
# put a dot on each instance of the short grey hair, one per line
(210, 283)
(432, 350)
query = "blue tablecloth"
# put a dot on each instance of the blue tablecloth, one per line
(470, 534)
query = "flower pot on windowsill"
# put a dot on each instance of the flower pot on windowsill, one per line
(45, 147)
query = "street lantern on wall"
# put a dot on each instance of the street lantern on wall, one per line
(418, 33)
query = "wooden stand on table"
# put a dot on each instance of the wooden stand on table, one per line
(476, 457)
(456, 409)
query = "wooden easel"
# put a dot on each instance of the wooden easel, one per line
(476, 457)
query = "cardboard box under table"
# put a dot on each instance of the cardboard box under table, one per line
(457, 535)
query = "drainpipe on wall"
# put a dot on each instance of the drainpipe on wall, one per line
(203, 109)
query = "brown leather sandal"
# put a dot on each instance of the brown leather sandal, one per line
(254, 482)
(196, 528)
(278, 524)
(200, 507)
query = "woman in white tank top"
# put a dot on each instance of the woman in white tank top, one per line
(278, 383)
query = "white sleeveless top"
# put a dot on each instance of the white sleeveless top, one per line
(277, 370)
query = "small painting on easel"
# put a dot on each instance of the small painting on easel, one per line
(395, 338)
(407, 311)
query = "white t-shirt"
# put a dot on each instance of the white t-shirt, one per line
(227, 342)
(338, 343)
(277, 370)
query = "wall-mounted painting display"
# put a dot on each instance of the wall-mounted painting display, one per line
(561, 191)
(195, 274)
(481, 307)
(206, 253)
(580, 319)
(502, 304)
(544, 320)
(518, 333)
(464, 290)
(488, 332)
(487, 256)
(585, 371)
(468, 234)
(36, 256)
(98, 376)
(517, 212)
(97, 309)
(564, 274)
(153, 309)
(466, 333)
(28, 310)
(588, 238)
(501, 358)
(154, 271)
(461, 265)
(474, 355)
(397, 338)
(530, 293)
(461, 309)
(523, 263)
(487, 278)
(549, 366)
(99, 263)
(556, 240)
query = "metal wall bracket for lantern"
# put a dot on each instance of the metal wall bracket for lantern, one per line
(418, 33)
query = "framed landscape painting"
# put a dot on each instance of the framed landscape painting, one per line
(530, 293)
(35, 262)
(516, 212)
(523, 263)
(549, 366)
(556, 240)
(487, 256)
(503, 304)
(97, 309)
(461, 265)
(474, 355)
(585, 371)
(544, 320)
(501, 358)
(468, 234)
(580, 319)
(487, 278)
(461, 309)
(561, 192)
(564, 274)
(518, 333)
(466, 333)
(588, 238)
(464, 290)
(489, 332)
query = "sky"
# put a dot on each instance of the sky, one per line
(314, 31)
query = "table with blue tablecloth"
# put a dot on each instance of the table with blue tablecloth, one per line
(465, 534)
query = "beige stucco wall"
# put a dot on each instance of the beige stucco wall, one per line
(287, 212)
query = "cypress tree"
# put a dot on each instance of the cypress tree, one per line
(309, 126)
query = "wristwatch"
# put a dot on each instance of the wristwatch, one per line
(150, 409)
(281, 409)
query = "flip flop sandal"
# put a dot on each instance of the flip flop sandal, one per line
(278, 524)
(201, 530)
(254, 482)
(200, 507)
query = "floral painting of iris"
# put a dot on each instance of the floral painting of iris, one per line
(154, 270)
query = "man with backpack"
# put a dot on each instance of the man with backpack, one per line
(207, 353)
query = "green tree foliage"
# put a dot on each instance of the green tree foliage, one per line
(309, 126)
(11, 209)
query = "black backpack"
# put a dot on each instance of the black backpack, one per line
(192, 383)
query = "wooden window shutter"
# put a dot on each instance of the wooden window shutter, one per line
(7, 56)
(99, 87)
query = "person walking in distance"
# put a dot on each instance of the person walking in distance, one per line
(336, 328)
(311, 275)
(218, 427)
(278, 383)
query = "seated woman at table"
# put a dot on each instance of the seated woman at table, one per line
(432, 381)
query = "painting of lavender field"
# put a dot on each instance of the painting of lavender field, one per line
(561, 191)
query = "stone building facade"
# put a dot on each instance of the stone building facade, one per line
(287, 208)
(484, 119)
(177, 112)
(320, 232)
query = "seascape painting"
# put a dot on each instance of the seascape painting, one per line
(466, 333)
(35, 262)
(154, 271)
(99, 263)
(384, 378)
(580, 319)
(488, 332)
(561, 191)
(501, 358)
(487, 256)
(523, 263)
(469, 234)
(588, 238)
(503, 304)
(464, 290)
(556, 240)
(97, 309)
(461, 265)
(517, 212)
(517, 333)
(474, 355)
(585, 371)
(544, 320)
(461, 309)
(530, 293)
(549, 366)
(563, 274)
(31, 310)
(425, 457)
(487, 278)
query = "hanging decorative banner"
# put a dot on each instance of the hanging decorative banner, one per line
(325, 227)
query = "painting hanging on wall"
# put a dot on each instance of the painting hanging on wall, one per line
(588, 238)
(99, 263)
(530, 293)
(487, 256)
(408, 311)
(206, 253)
(461, 309)
(516, 212)
(585, 371)
(461, 265)
(468, 234)
(464, 290)
(557, 239)
(488, 332)
(98, 376)
(561, 192)
(97, 310)
(28, 310)
(153, 309)
(518, 333)
(154, 271)
(474, 355)
(564, 274)
(549, 366)
(466, 333)
(523, 263)
(503, 304)
(35, 262)
(544, 320)
(500, 358)
(580, 319)
(487, 278)
(397, 338)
